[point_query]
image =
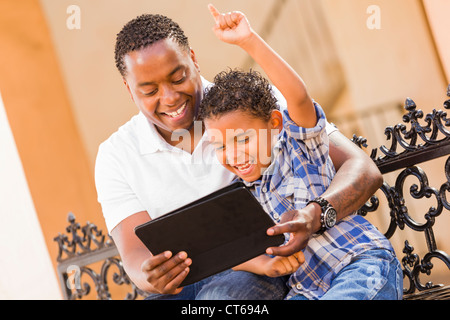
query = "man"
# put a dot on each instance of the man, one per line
(143, 172)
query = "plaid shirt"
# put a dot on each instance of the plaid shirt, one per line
(301, 170)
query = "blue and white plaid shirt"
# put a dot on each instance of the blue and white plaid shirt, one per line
(301, 170)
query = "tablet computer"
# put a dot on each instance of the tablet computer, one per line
(218, 231)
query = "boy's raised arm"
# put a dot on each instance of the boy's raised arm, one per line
(234, 28)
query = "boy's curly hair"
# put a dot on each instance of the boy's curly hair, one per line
(238, 90)
(143, 31)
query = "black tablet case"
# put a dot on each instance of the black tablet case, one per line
(218, 232)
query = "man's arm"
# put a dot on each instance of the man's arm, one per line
(357, 179)
(162, 273)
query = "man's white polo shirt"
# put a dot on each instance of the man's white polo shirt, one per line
(137, 170)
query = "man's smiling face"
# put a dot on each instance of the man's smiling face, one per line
(164, 82)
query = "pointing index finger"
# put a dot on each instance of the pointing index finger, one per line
(214, 12)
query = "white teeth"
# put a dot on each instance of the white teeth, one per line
(176, 113)
(244, 166)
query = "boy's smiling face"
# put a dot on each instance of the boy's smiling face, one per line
(243, 142)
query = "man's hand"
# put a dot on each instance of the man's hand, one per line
(301, 224)
(232, 27)
(165, 273)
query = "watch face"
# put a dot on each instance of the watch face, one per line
(330, 217)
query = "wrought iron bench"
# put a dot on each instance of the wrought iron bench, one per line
(413, 143)
(85, 249)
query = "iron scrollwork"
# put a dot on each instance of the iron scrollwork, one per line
(427, 135)
(91, 239)
(410, 146)
(78, 252)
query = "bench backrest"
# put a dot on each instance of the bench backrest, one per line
(416, 140)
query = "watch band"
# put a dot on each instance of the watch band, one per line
(327, 216)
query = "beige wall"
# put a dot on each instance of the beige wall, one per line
(388, 64)
(382, 67)
(437, 11)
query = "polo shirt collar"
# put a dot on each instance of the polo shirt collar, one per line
(150, 141)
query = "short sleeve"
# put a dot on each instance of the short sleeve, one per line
(330, 128)
(301, 133)
(117, 199)
(311, 142)
(282, 104)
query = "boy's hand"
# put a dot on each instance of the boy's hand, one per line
(232, 27)
(282, 266)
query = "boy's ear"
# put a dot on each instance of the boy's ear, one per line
(276, 120)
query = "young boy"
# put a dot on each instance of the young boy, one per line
(348, 260)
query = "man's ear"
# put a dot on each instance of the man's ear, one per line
(276, 120)
(194, 59)
(128, 88)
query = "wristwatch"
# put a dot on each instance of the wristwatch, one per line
(328, 216)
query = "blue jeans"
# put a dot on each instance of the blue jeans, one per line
(373, 275)
(231, 285)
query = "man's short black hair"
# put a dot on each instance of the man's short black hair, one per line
(238, 90)
(143, 31)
